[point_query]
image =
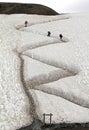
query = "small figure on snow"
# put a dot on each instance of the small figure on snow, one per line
(61, 36)
(49, 33)
(26, 23)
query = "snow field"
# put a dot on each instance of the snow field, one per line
(14, 102)
(47, 64)
(72, 56)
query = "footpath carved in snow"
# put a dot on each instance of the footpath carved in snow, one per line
(41, 74)
(47, 80)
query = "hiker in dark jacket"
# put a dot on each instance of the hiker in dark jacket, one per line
(49, 33)
(61, 36)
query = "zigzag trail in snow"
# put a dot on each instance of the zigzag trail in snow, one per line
(32, 110)
(56, 40)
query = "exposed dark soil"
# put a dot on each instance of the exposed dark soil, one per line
(15, 8)
(38, 125)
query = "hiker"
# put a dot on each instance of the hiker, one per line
(61, 36)
(26, 23)
(49, 33)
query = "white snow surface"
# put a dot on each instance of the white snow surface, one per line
(54, 72)
(36, 72)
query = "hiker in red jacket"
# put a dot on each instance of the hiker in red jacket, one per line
(26, 23)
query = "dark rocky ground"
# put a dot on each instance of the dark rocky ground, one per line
(38, 125)
(12, 8)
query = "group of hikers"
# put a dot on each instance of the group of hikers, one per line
(60, 35)
(49, 33)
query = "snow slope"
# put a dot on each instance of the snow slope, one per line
(40, 74)
(36, 73)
